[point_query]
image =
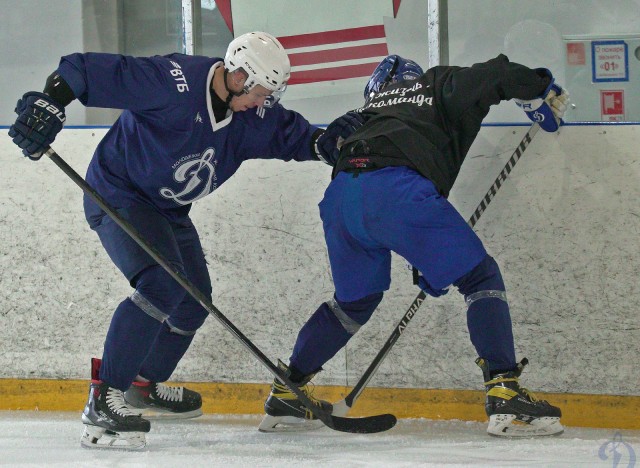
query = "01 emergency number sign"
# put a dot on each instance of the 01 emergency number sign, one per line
(609, 61)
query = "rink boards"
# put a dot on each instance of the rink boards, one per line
(564, 229)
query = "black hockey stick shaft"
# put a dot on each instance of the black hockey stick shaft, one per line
(369, 424)
(415, 305)
(373, 367)
(504, 173)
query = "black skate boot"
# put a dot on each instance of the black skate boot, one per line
(159, 401)
(108, 421)
(285, 412)
(514, 411)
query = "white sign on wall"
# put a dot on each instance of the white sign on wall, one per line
(609, 61)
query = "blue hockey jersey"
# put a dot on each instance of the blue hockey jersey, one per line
(166, 149)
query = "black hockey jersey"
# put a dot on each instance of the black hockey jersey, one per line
(430, 123)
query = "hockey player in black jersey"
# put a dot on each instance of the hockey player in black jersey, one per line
(389, 192)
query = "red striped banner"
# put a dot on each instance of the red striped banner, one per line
(316, 58)
(335, 55)
(332, 37)
(332, 73)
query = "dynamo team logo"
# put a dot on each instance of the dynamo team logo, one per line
(620, 453)
(538, 117)
(198, 176)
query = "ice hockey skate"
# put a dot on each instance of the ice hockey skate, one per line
(285, 412)
(154, 400)
(108, 421)
(514, 411)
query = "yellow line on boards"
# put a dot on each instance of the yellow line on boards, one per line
(581, 410)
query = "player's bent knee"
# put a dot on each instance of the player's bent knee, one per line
(484, 277)
(157, 287)
(187, 325)
(354, 314)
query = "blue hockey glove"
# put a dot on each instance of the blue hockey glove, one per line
(39, 120)
(328, 144)
(548, 109)
(426, 287)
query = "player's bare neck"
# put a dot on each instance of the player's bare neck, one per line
(217, 84)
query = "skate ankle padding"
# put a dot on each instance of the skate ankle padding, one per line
(490, 375)
(514, 371)
(293, 374)
(95, 369)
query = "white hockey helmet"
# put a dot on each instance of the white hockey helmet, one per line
(264, 60)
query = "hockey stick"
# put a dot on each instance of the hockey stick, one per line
(366, 425)
(342, 407)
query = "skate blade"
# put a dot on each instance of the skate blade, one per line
(288, 424)
(94, 437)
(507, 425)
(160, 415)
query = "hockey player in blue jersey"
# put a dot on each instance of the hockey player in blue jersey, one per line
(187, 125)
(389, 193)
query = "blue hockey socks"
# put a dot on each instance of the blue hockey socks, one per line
(165, 354)
(328, 331)
(488, 316)
(130, 335)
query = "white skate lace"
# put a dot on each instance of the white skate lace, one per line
(116, 403)
(169, 393)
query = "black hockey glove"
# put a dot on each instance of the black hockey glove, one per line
(328, 143)
(39, 120)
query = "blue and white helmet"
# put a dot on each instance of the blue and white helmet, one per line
(392, 69)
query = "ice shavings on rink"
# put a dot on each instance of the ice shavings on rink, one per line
(52, 439)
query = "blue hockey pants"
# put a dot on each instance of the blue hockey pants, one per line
(367, 217)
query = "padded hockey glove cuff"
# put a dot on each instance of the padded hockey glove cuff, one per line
(329, 142)
(549, 108)
(426, 287)
(39, 120)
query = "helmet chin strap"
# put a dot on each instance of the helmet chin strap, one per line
(231, 93)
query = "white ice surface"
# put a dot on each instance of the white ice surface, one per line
(52, 439)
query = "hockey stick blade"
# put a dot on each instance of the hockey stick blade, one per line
(343, 407)
(366, 425)
(370, 424)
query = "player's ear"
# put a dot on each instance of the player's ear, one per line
(239, 77)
